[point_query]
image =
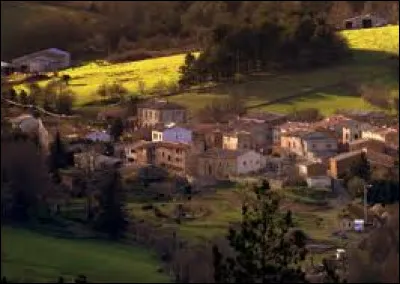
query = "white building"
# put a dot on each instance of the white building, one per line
(99, 136)
(319, 182)
(172, 133)
(48, 60)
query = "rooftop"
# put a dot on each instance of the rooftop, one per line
(50, 52)
(171, 145)
(347, 155)
(223, 153)
(160, 104)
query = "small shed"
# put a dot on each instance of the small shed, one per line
(364, 22)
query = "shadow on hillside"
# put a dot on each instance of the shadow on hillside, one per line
(343, 79)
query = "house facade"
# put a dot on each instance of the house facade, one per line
(223, 164)
(387, 135)
(311, 145)
(173, 134)
(48, 60)
(176, 158)
(312, 169)
(91, 161)
(237, 141)
(157, 112)
(139, 153)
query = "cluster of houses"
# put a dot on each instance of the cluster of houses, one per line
(256, 145)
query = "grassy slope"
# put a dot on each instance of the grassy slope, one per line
(29, 256)
(372, 47)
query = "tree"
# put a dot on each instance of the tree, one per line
(141, 87)
(339, 11)
(117, 129)
(23, 97)
(64, 102)
(66, 78)
(266, 249)
(25, 184)
(58, 157)
(12, 95)
(355, 186)
(110, 217)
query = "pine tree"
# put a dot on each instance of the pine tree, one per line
(58, 157)
(266, 250)
(117, 128)
(110, 217)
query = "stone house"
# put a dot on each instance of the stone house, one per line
(369, 144)
(312, 145)
(176, 158)
(338, 165)
(279, 130)
(312, 169)
(171, 133)
(223, 164)
(237, 140)
(91, 161)
(207, 136)
(140, 153)
(156, 112)
(259, 135)
(387, 135)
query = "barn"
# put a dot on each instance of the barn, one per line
(364, 22)
(48, 60)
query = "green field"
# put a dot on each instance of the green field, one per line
(29, 256)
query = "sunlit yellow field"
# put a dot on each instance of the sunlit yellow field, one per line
(385, 39)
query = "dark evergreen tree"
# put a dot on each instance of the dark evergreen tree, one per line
(23, 97)
(117, 129)
(265, 248)
(110, 217)
(58, 157)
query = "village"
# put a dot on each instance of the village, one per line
(185, 172)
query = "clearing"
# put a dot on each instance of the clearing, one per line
(30, 256)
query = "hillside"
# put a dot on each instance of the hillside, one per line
(30, 256)
(372, 49)
(32, 26)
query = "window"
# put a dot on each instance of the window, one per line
(169, 158)
(244, 163)
(177, 151)
(314, 146)
(162, 154)
(329, 146)
(155, 136)
(177, 159)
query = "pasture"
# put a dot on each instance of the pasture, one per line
(29, 256)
